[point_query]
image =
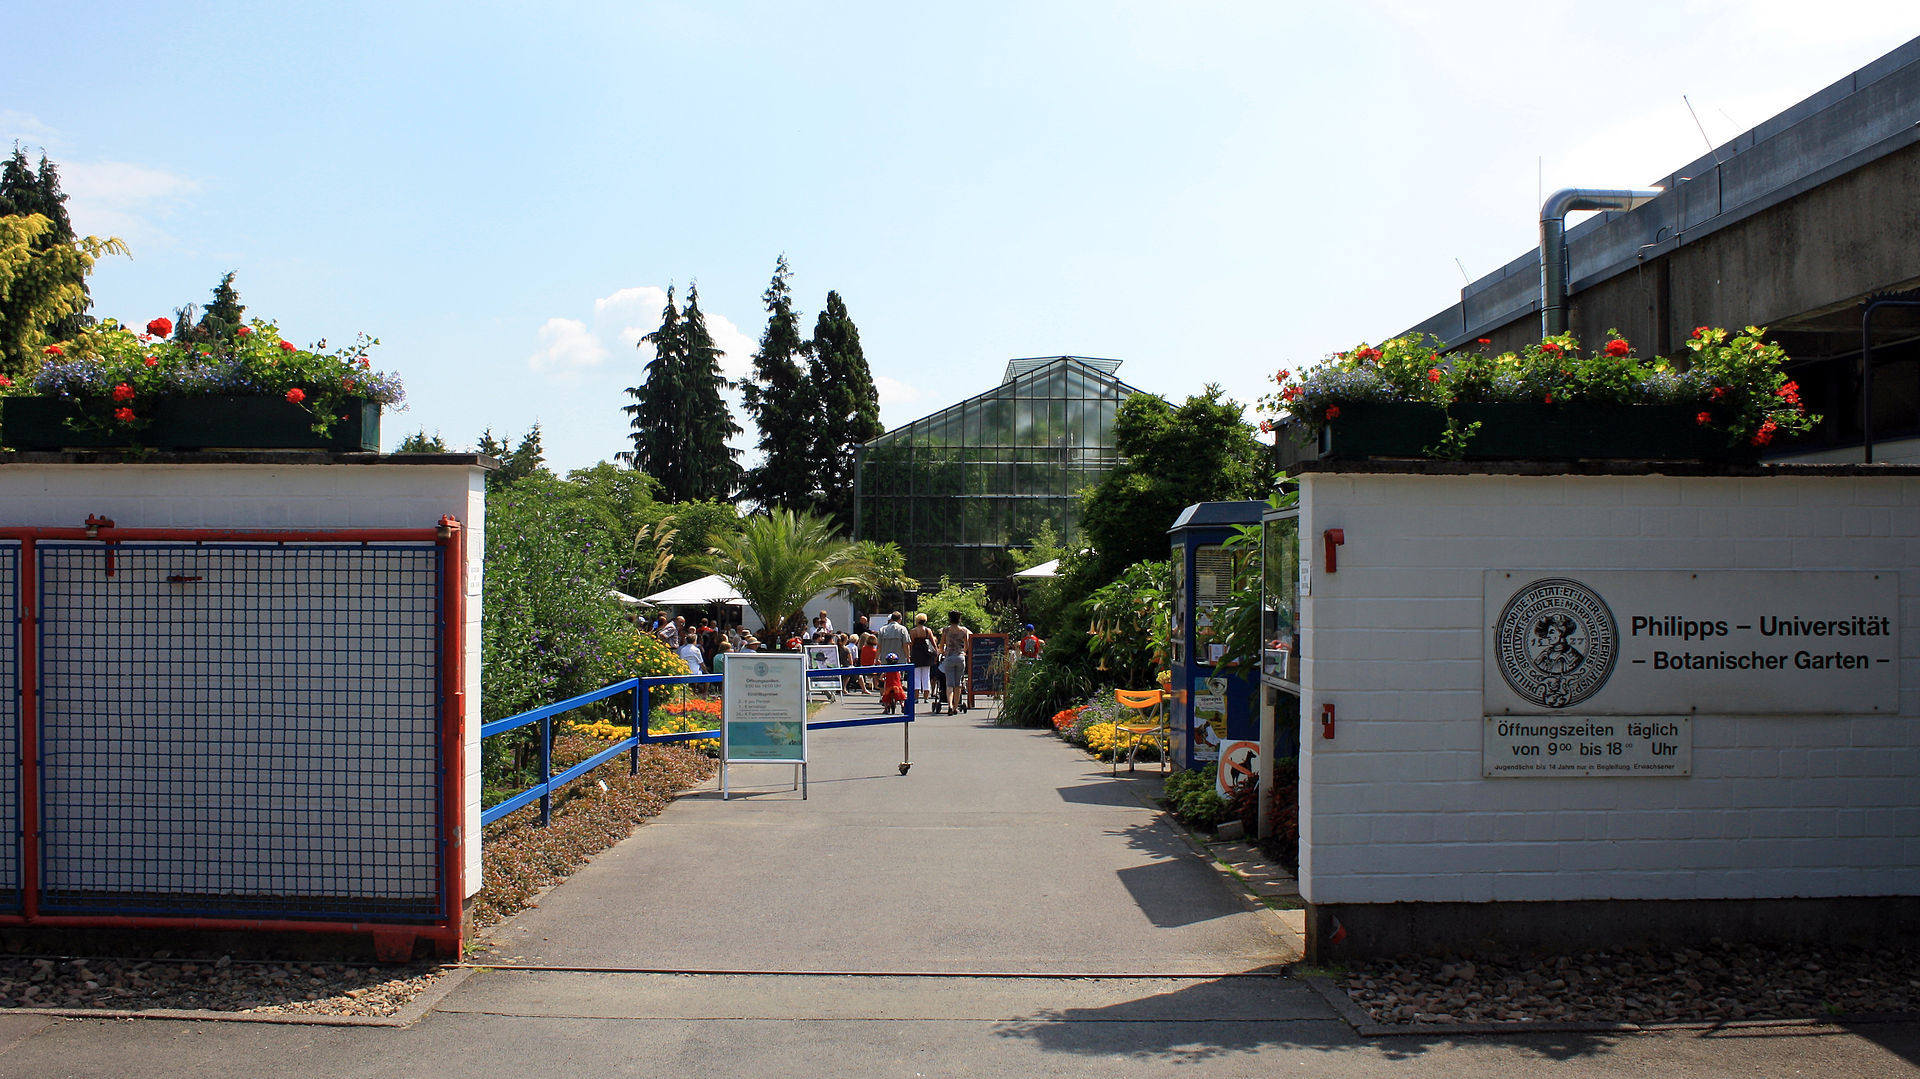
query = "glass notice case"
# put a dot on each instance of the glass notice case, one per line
(1280, 599)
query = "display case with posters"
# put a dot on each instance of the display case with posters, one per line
(1281, 570)
(1213, 703)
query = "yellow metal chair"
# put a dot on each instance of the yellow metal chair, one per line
(1150, 704)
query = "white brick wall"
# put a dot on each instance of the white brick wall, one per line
(1394, 808)
(276, 496)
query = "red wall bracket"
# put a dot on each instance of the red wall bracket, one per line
(1334, 537)
(1326, 722)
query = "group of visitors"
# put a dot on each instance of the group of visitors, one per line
(939, 660)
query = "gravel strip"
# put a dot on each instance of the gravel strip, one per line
(1722, 982)
(220, 985)
(522, 860)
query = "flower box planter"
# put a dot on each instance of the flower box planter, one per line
(188, 423)
(1530, 430)
(1382, 429)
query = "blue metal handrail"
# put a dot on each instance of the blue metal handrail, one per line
(642, 689)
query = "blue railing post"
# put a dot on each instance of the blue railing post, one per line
(546, 771)
(639, 696)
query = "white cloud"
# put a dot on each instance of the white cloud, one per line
(647, 301)
(567, 346)
(26, 129)
(118, 198)
(895, 393)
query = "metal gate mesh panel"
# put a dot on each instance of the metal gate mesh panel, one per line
(240, 729)
(10, 895)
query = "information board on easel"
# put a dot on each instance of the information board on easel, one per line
(764, 714)
(986, 666)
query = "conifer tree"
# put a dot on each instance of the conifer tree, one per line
(680, 422)
(781, 400)
(712, 470)
(44, 298)
(848, 410)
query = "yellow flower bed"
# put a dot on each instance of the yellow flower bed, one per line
(677, 717)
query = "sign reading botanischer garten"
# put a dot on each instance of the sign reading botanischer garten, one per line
(1570, 657)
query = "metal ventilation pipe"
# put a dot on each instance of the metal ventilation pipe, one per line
(1553, 242)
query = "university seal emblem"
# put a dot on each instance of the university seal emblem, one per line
(1557, 642)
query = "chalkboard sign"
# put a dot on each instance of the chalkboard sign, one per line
(986, 670)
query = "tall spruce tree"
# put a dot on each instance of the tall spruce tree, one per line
(783, 404)
(712, 468)
(848, 412)
(680, 422)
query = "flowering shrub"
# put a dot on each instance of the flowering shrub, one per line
(1063, 719)
(115, 373)
(1733, 382)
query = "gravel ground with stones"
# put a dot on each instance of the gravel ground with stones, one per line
(1718, 983)
(522, 860)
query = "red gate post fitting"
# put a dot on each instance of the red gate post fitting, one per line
(1334, 537)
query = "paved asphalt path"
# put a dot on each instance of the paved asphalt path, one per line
(915, 925)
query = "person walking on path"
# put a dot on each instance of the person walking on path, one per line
(869, 657)
(922, 655)
(893, 638)
(953, 661)
(1031, 644)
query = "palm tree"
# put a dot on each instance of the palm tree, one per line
(780, 560)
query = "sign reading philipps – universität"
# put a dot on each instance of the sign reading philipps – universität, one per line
(1601, 673)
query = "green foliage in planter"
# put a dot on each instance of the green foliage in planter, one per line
(1038, 688)
(1191, 797)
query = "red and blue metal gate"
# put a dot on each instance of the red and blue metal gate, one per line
(233, 730)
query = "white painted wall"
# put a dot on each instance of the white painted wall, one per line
(1394, 808)
(295, 495)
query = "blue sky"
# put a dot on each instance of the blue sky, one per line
(1206, 191)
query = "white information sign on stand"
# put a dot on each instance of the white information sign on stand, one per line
(764, 714)
(823, 657)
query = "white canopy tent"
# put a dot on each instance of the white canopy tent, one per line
(708, 589)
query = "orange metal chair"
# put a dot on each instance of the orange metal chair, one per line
(1149, 703)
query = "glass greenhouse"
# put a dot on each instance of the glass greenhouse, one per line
(956, 488)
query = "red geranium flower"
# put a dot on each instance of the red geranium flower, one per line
(1549, 399)
(1703, 418)
(245, 331)
(1368, 355)
(346, 384)
(1433, 374)
(1618, 347)
(1266, 426)
(1486, 340)
(1718, 393)
(1550, 348)
(286, 346)
(296, 395)
(123, 392)
(1699, 332)
(1333, 412)
(152, 361)
(5, 383)
(160, 327)
(55, 350)
(1289, 393)
(1282, 375)
(1765, 434)
(124, 415)
(365, 362)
